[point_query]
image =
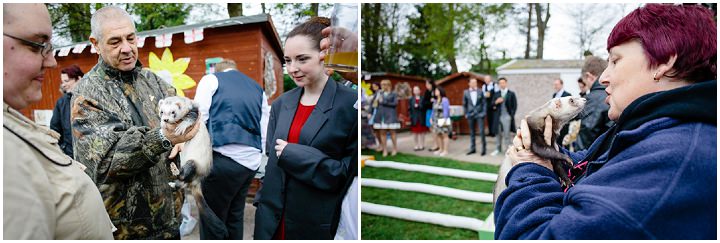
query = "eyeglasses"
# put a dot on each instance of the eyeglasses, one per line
(44, 48)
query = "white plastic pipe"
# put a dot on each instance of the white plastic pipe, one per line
(422, 216)
(429, 189)
(483, 176)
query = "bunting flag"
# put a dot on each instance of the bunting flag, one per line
(64, 51)
(140, 41)
(193, 35)
(79, 48)
(163, 40)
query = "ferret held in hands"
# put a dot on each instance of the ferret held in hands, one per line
(561, 110)
(196, 156)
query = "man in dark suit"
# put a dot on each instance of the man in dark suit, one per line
(506, 105)
(489, 88)
(560, 92)
(475, 110)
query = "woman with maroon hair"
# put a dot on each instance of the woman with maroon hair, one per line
(60, 121)
(653, 174)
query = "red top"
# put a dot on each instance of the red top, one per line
(301, 115)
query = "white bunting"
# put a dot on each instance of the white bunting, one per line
(141, 41)
(79, 48)
(193, 35)
(64, 51)
(163, 40)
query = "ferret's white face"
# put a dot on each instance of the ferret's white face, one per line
(566, 108)
(172, 109)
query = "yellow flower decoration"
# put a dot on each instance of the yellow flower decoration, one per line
(366, 88)
(175, 68)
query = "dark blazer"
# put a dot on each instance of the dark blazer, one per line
(474, 111)
(60, 122)
(417, 115)
(309, 180)
(510, 102)
(564, 94)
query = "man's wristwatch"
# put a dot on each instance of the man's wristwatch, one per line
(166, 144)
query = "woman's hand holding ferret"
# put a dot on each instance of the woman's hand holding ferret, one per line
(520, 151)
(169, 132)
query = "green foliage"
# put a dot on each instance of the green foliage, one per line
(288, 83)
(72, 20)
(437, 35)
(159, 15)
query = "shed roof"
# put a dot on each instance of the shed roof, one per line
(540, 64)
(394, 75)
(457, 75)
(265, 19)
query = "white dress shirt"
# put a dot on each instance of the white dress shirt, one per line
(473, 96)
(247, 156)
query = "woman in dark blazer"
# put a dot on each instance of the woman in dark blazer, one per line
(311, 146)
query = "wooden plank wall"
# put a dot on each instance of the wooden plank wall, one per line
(245, 44)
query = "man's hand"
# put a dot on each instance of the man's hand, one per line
(347, 40)
(499, 100)
(169, 132)
(279, 146)
(176, 150)
(520, 151)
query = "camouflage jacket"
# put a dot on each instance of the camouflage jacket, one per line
(115, 125)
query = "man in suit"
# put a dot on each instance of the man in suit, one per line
(560, 92)
(506, 104)
(489, 89)
(475, 110)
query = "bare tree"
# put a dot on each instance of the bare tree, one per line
(541, 26)
(527, 31)
(587, 25)
(314, 9)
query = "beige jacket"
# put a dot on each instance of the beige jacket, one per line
(46, 195)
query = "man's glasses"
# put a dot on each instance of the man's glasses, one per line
(44, 48)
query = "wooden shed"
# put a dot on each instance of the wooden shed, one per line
(395, 79)
(454, 85)
(252, 41)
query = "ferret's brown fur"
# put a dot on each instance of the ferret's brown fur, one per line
(561, 110)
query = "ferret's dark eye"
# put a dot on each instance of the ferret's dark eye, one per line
(572, 101)
(173, 112)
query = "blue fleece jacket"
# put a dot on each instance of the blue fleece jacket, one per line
(652, 176)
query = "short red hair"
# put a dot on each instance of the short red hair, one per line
(664, 30)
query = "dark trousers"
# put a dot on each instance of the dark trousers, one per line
(225, 190)
(473, 123)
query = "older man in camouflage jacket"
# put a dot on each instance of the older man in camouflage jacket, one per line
(117, 135)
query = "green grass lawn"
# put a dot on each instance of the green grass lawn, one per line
(378, 227)
(432, 161)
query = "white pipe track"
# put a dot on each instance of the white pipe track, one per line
(483, 176)
(429, 189)
(422, 216)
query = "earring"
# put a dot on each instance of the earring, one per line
(655, 77)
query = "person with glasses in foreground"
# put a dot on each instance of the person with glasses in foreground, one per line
(46, 194)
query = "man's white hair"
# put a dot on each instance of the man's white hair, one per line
(111, 13)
